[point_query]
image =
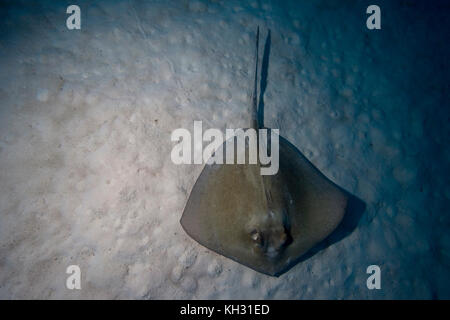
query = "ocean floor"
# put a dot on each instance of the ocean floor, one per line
(85, 122)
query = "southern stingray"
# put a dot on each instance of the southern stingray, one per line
(266, 222)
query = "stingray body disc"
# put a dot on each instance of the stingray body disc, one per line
(264, 222)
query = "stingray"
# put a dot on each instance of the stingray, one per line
(265, 222)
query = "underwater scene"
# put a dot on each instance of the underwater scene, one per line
(117, 179)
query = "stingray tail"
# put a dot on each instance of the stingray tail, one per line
(255, 87)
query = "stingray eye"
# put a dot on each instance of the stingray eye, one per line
(257, 237)
(283, 237)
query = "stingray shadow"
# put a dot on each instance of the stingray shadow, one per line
(263, 82)
(355, 206)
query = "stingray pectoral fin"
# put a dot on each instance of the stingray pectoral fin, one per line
(317, 206)
(222, 202)
(227, 201)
